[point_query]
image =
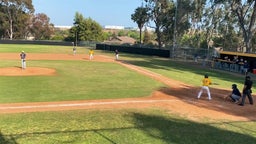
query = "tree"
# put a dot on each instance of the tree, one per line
(245, 11)
(133, 34)
(158, 11)
(147, 37)
(121, 33)
(41, 28)
(140, 16)
(220, 25)
(178, 15)
(197, 17)
(91, 30)
(13, 13)
(86, 29)
(60, 34)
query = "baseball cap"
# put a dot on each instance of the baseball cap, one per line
(234, 85)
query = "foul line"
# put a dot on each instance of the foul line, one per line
(83, 104)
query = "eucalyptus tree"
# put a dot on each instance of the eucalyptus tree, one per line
(91, 30)
(172, 19)
(158, 11)
(86, 29)
(140, 16)
(75, 30)
(40, 27)
(177, 21)
(13, 15)
(197, 17)
(245, 11)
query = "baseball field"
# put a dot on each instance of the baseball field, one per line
(66, 98)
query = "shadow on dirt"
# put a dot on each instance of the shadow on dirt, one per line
(218, 103)
(188, 93)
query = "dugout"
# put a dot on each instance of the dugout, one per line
(230, 56)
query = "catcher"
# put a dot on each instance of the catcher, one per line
(235, 95)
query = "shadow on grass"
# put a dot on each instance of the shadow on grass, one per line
(189, 93)
(180, 131)
(158, 129)
(179, 66)
(7, 139)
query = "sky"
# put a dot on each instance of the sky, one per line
(104, 12)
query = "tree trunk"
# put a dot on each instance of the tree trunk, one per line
(11, 31)
(140, 36)
(247, 33)
(158, 36)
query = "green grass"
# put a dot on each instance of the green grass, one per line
(29, 48)
(75, 80)
(97, 80)
(120, 127)
(79, 79)
(186, 72)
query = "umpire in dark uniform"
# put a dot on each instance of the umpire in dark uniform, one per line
(247, 91)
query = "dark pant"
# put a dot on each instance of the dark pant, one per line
(248, 94)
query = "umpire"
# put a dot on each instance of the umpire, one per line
(247, 91)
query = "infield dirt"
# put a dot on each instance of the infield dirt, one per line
(176, 97)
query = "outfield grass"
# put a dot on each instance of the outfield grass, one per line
(187, 72)
(75, 80)
(96, 80)
(148, 126)
(29, 48)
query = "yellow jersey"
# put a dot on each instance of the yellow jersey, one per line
(206, 82)
(91, 52)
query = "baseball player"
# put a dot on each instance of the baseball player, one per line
(91, 53)
(247, 91)
(206, 82)
(117, 54)
(235, 95)
(23, 60)
(74, 50)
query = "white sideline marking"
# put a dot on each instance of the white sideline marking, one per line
(83, 104)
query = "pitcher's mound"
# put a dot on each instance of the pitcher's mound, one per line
(29, 71)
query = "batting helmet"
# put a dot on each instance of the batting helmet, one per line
(234, 85)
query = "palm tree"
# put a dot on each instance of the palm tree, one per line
(140, 16)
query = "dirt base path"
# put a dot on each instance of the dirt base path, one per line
(176, 97)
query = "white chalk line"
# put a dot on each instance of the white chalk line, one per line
(83, 104)
(96, 104)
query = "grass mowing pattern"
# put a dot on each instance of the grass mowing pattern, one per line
(76, 80)
(116, 126)
(119, 126)
(29, 48)
(186, 72)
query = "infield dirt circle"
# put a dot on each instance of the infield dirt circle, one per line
(176, 97)
(30, 71)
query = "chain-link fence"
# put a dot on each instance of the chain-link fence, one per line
(188, 53)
